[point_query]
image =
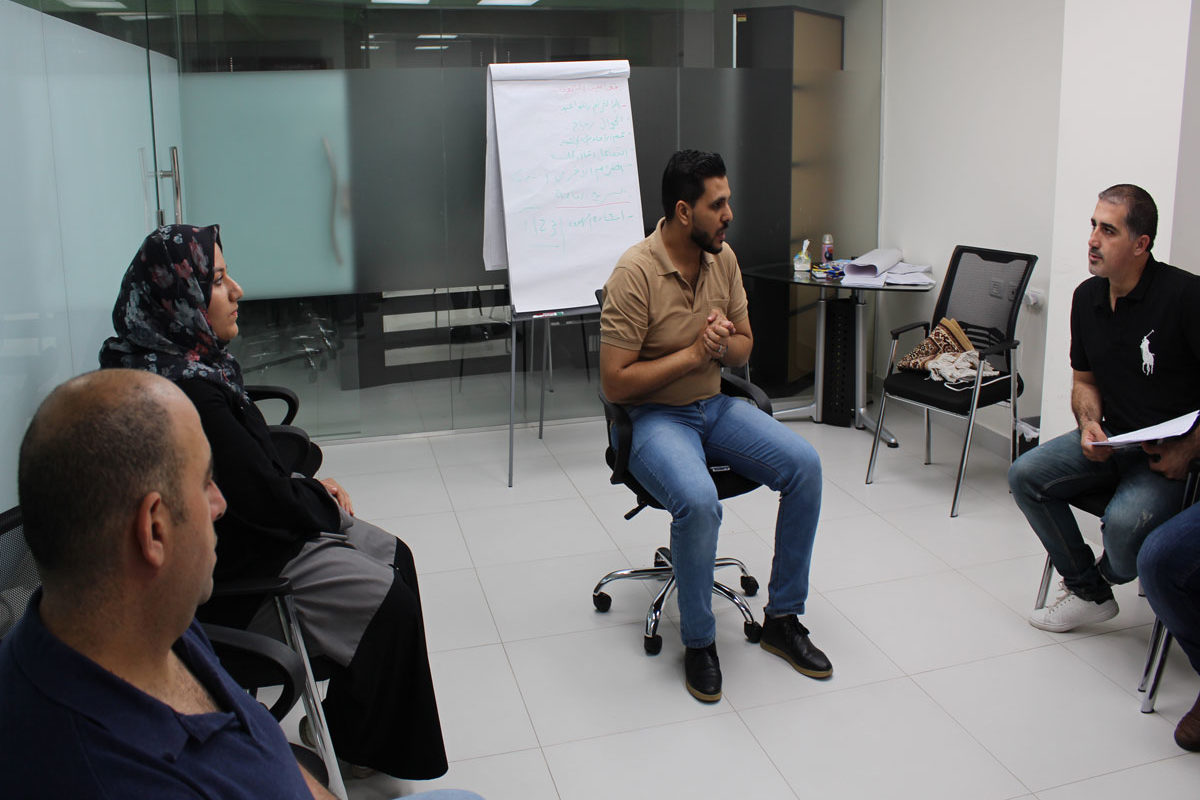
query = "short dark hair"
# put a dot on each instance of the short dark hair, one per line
(96, 447)
(1141, 214)
(684, 177)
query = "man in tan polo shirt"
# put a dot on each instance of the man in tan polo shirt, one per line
(674, 313)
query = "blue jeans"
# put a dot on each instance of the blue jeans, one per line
(1044, 479)
(1169, 566)
(668, 455)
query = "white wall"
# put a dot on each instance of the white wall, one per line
(1123, 69)
(970, 119)
(1185, 240)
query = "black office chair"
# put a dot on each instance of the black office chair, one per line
(1094, 503)
(18, 574)
(728, 483)
(302, 456)
(983, 290)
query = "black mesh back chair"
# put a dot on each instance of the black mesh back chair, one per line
(728, 483)
(1094, 503)
(18, 574)
(982, 291)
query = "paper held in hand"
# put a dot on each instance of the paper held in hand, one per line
(1163, 430)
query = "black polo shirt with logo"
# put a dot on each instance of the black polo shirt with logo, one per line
(1145, 353)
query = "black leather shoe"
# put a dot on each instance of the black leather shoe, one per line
(702, 673)
(787, 638)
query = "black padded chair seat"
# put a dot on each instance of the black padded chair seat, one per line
(919, 387)
(728, 482)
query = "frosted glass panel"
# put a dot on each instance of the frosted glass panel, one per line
(257, 163)
(34, 352)
(75, 203)
(106, 205)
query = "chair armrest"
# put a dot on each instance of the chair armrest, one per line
(736, 386)
(296, 450)
(1192, 483)
(251, 658)
(998, 347)
(905, 328)
(259, 392)
(267, 587)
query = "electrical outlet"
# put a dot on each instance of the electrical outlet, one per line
(997, 289)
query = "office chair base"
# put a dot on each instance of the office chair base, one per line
(663, 571)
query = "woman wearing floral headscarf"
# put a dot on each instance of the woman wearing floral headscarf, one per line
(355, 585)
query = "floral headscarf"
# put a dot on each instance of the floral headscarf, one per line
(161, 314)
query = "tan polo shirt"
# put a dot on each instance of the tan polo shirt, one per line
(650, 308)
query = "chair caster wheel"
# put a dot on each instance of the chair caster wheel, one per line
(662, 556)
(602, 601)
(653, 644)
(753, 632)
(749, 585)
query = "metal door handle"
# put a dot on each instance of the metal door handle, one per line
(174, 175)
(333, 201)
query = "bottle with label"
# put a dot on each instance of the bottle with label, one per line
(801, 262)
(827, 248)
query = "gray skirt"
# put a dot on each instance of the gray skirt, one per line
(339, 581)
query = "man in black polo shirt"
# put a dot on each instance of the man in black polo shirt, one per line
(1135, 352)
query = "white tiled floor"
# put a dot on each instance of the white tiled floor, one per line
(940, 687)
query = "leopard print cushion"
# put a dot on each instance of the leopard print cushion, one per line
(946, 337)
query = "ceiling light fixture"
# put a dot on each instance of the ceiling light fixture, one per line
(95, 5)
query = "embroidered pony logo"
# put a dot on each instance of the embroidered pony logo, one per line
(1147, 356)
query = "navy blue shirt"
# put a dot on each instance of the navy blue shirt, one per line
(71, 729)
(1145, 353)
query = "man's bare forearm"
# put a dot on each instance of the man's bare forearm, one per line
(738, 353)
(630, 382)
(1085, 403)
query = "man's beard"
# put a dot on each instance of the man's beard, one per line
(706, 241)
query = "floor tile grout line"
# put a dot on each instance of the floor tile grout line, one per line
(959, 723)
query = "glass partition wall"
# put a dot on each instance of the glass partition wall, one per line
(340, 145)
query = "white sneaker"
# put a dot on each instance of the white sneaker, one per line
(1070, 611)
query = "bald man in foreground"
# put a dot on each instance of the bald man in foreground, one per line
(108, 686)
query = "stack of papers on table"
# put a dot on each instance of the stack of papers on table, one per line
(874, 263)
(910, 275)
(884, 265)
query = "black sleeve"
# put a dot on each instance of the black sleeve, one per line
(260, 494)
(1079, 306)
(1191, 305)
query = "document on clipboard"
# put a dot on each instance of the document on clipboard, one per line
(1163, 430)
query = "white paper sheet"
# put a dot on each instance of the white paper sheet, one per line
(908, 278)
(868, 281)
(876, 262)
(1163, 430)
